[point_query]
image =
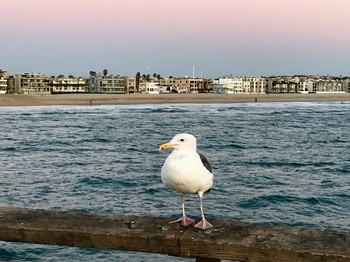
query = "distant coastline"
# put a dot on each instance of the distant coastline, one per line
(114, 99)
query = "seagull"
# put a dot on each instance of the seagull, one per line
(187, 172)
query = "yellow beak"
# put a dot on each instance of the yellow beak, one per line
(165, 146)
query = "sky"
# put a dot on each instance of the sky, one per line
(201, 38)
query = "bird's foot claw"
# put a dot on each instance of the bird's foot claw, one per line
(203, 224)
(185, 221)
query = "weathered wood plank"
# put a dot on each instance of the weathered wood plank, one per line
(142, 234)
(260, 242)
(229, 240)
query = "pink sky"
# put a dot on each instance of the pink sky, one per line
(239, 37)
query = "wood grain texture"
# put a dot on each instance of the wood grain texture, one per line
(228, 240)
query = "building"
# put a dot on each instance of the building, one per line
(205, 86)
(3, 82)
(178, 85)
(130, 85)
(305, 86)
(254, 85)
(11, 87)
(283, 85)
(167, 89)
(63, 85)
(346, 85)
(223, 85)
(194, 85)
(107, 84)
(142, 86)
(186, 85)
(239, 85)
(152, 88)
(327, 86)
(32, 84)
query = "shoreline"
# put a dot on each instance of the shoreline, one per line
(13, 100)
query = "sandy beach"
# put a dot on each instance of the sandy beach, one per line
(118, 99)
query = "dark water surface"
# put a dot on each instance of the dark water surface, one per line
(280, 163)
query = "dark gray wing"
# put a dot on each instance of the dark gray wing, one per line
(205, 162)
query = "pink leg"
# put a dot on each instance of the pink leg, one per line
(185, 221)
(203, 224)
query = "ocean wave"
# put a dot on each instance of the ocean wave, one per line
(269, 200)
(155, 109)
(270, 164)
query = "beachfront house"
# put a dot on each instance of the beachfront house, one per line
(152, 88)
(223, 85)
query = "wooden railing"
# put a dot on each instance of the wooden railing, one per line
(228, 240)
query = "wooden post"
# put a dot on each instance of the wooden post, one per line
(228, 240)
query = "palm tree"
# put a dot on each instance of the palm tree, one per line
(138, 76)
(105, 72)
(92, 73)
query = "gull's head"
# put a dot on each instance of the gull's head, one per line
(180, 142)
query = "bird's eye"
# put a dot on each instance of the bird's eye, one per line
(182, 139)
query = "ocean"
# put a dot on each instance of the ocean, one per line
(278, 163)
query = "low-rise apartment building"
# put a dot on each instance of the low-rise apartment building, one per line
(282, 85)
(179, 85)
(11, 87)
(326, 86)
(186, 85)
(130, 84)
(321, 85)
(239, 85)
(226, 85)
(304, 86)
(346, 85)
(32, 84)
(61, 85)
(254, 85)
(107, 84)
(3, 82)
(170, 85)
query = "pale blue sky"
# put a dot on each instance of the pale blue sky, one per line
(169, 37)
